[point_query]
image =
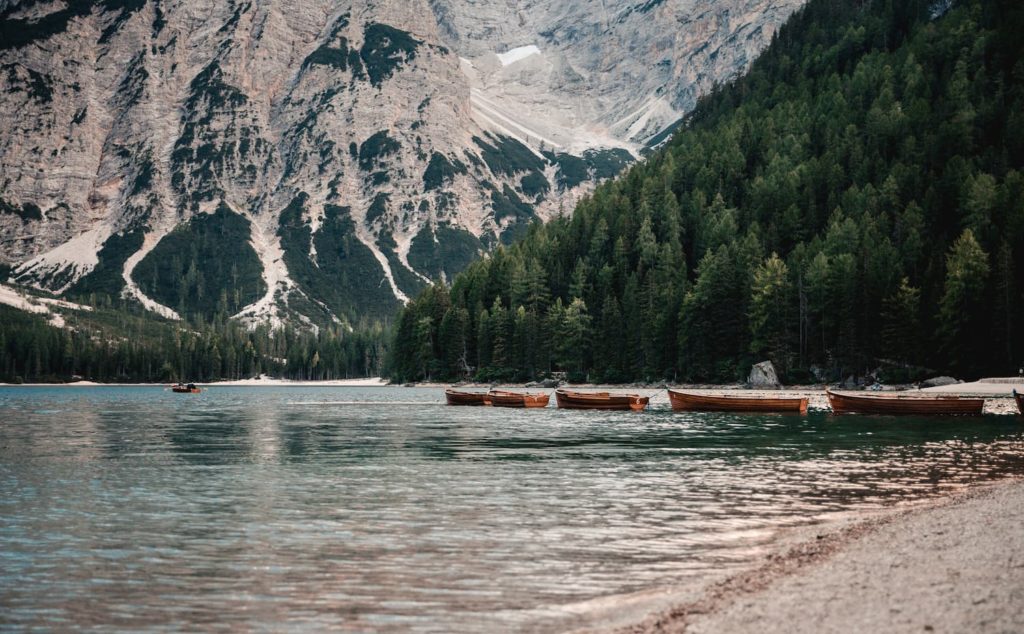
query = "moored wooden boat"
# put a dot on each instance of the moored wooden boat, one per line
(1017, 396)
(946, 405)
(181, 388)
(502, 398)
(456, 397)
(567, 399)
(688, 401)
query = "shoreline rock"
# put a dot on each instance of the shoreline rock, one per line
(763, 375)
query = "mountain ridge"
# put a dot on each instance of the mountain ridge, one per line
(132, 118)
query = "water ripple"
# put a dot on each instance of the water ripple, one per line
(379, 509)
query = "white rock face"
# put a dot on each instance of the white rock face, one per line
(603, 73)
(416, 133)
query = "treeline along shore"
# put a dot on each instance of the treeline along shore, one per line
(120, 344)
(855, 201)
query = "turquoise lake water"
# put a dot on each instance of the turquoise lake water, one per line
(370, 509)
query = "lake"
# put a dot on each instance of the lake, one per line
(383, 509)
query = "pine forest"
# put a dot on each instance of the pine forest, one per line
(853, 204)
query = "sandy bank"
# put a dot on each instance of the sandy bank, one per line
(956, 565)
(984, 387)
(265, 381)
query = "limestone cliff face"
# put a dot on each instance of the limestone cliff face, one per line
(360, 148)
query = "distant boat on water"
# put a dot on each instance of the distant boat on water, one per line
(898, 404)
(687, 401)
(567, 399)
(457, 397)
(183, 388)
(502, 398)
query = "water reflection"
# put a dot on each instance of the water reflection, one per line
(379, 509)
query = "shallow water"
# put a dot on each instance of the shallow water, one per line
(382, 509)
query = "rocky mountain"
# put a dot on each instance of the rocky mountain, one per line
(321, 161)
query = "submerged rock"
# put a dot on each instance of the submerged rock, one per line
(763, 375)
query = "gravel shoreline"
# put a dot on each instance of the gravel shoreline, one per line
(950, 565)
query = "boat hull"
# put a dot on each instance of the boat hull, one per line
(905, 405)
(501, 398)
(1017, 396)
(600, 400)
(185, 390)
(472, 399)
(686, 401)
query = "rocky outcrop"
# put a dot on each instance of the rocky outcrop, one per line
(364, 147)
(763, 375)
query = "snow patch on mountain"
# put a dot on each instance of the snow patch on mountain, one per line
(511, 57)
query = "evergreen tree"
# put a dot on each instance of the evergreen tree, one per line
(574, 337)
(901, 324)
(771, 312)
(960, 322)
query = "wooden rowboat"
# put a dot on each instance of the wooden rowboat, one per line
(501, 398)
(191, 388)
(1017, 396)
(455, 397)
(894, 405)
(686, 401)
(567, 399)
